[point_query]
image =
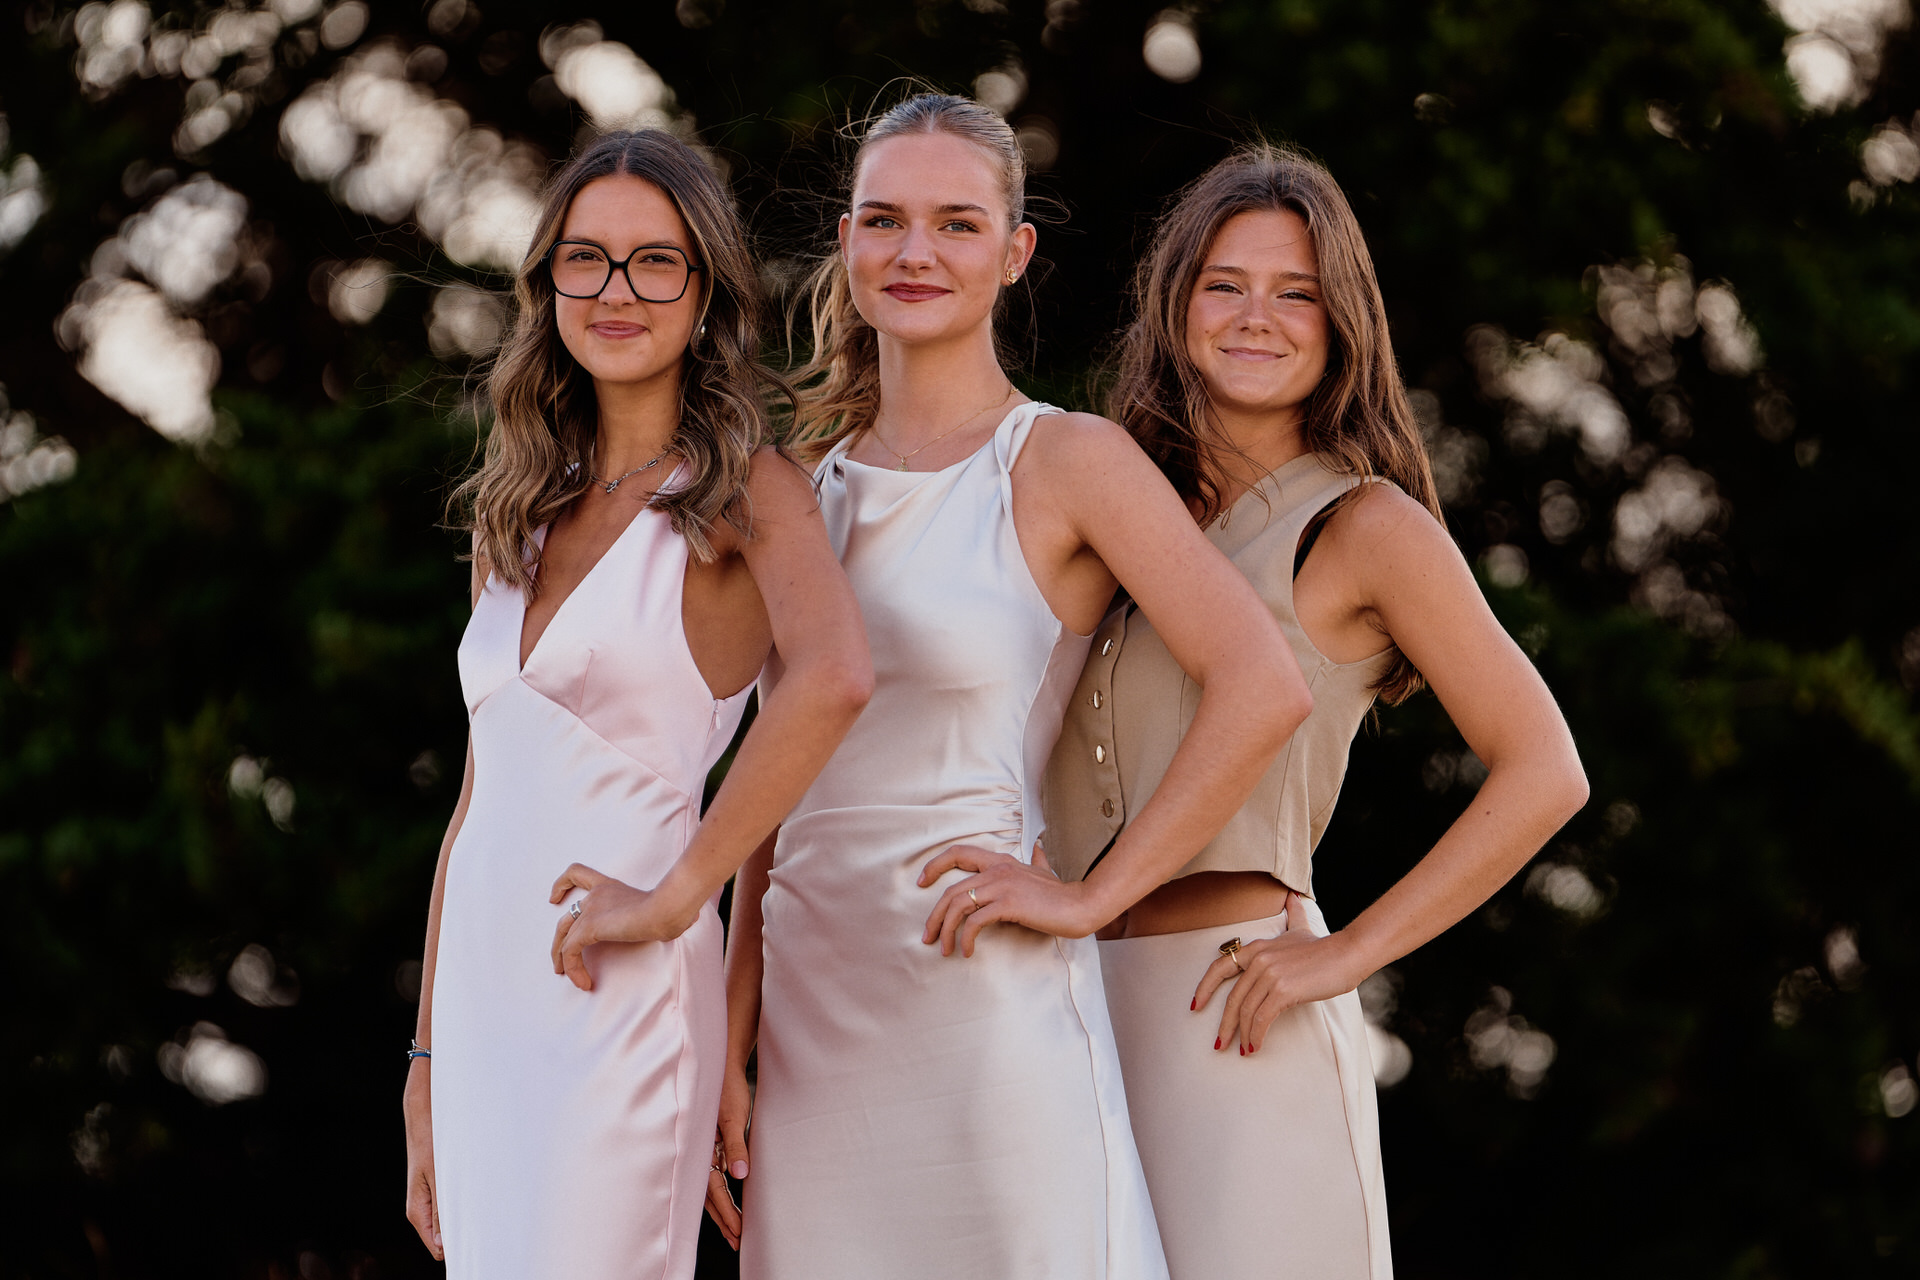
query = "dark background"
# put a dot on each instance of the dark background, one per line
(1661, 315)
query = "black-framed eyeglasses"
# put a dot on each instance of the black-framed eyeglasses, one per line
(655, 272)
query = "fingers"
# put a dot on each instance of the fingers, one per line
(976, 920)
(571, 937)
(720, 1208)
(422, 1213)
(1255, 1025)
(1220, 971)
(576, 876)
(961, 857)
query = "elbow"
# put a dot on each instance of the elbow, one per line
(850, 685)
(1575, 790)
(1284, 707)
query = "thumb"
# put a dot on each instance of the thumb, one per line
(1040, 862)
(733, 1147)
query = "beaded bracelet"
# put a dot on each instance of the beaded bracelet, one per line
(417, 1050)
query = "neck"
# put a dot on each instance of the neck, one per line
(637, 422)
(927, 387)
(1262, 443)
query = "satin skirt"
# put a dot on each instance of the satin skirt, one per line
(927, 1116)
(572, 1130)
(1262, 1166)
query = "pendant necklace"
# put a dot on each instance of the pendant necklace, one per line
(611, 485)
(944, 434)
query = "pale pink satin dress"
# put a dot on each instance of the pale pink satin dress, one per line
(573, 1130)
(920, 1116)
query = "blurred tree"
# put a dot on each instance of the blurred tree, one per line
(1650, 272)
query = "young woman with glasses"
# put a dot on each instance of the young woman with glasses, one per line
(641, 553)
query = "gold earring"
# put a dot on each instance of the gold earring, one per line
(1012, 275)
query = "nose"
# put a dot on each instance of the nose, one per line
(618, 290)
(1256, 312)
(916, 248)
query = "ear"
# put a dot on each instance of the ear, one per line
(846, 224)
(1020, 248)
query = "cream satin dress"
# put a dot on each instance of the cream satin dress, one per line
(572, 1130)
(920, 1116)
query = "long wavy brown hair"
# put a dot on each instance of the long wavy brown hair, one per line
(1358, 415)
(545, 412)
(840, 382)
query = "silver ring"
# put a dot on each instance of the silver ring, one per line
(573, 908)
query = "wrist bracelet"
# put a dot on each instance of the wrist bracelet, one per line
(417, 1050)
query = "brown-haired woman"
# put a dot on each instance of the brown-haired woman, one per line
(920, 1112)
(639, 551)
(1258, 373)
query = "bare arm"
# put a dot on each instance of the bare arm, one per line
(423, 1206)
(826, 680)
(746, 964)
(1098, 511)
(1413, 587)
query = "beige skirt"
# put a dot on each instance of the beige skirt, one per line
(1267, 1165)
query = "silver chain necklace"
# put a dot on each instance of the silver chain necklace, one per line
(611, 485)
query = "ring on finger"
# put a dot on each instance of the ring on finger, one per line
(974, 896)
(573, 908)
(1231, 950)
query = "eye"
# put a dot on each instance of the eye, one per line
(1222, 286)
(581, 253)
(657, 258)
(1299, 295)
(959, 224)
(882, 222)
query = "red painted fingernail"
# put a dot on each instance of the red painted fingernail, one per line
(1194, 1003)
(1216, 1042)
(1243, 1051)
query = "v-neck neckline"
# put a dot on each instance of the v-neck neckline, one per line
(519, 639)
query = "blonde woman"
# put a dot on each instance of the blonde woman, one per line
(1259, 374)
(639, 550)
(938, 1093)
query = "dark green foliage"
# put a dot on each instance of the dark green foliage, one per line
(184, 626)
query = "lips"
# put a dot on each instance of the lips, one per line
(908, 292)
(1250, 353)
(616, 329)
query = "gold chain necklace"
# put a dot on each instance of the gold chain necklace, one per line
(1008, 395)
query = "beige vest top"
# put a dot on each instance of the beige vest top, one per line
(1134, 703)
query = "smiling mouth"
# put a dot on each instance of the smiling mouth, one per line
(1251, 353)
(616, 329)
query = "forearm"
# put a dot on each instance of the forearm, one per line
(800, 724)
(746, 962)
(1237, 729)
(423, 1021)
(1516, 811)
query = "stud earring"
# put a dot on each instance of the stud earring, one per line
(1012, 275)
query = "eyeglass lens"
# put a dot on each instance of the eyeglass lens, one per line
(655, 273)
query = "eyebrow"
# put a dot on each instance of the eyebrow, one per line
(884, 206)
(655, 244)
(1307, 276)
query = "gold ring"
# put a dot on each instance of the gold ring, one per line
(1231, 950)
(974, 896)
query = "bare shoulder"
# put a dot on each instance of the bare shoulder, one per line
(1078, 439)
(778, 491)
(1383, 524)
